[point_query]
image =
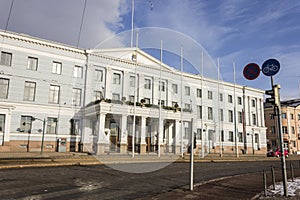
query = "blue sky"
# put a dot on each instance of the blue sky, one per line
(240, 31)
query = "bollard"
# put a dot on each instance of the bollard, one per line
(273, 177)
(265, 182)
(292, 172)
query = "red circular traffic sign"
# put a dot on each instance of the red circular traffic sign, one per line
(251, 71)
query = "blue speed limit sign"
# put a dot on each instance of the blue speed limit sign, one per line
(270, 67)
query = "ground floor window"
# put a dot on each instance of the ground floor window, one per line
(2, 123)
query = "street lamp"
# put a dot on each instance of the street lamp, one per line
(43, 135)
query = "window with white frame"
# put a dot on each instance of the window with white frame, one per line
(78, 71)
(253, 102)
(222, 135)
(99, 75)
(240, 136)
(32, 63)
(97, 95)
(284, 129)
(220, 97)
(29, 91)
(199, 134)
(76, 99)
(51, 125)
(230, 116)
(116, 78)
(4, 85)
(187, 91)
(2, 123)
(56, 67)
(293, 129)
(175, 88)
(161, 86)
(115, 96)
(254, 119)
(240, 117)
(132, 81)
(292, 116)
(75, 126)
(147, 84)
(199, 112)
(229, 98)
(239, 100)
(221, 115)
(210, 113)
(54, 91)
(6, 58)
(209, 94)
(230, 139)
(26, 124)
(283, 115)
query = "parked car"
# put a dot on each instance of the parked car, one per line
(277, 153)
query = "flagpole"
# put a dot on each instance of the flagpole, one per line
(235, 126)
(160, 125)
(181, 98)
(202, 130)
(134, 98)
(132, 23)
(219, 112)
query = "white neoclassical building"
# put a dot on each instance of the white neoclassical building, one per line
(63, 98)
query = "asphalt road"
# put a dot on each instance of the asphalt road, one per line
(103, 182)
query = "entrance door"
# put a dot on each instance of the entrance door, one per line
(114, 136)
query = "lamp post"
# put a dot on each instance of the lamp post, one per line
(43, 132)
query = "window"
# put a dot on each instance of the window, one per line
(162, 102)
(222, 136)
(115, 96)
(32, 63)
(229, 98)
(78, 71)
(292, 116)
(147, 84)
(240, 136)
(230, 139)
(230, 116)
(298, 116)
(199, 112)
(199, 93)
(116, 78)
(221, 115)
(271, 116)
(161, 86)
(293, 129)
(187, 91)
(239, 100)
(2, 123)
(97, 95)
(220, 97)
(209, 94)
(273, 129)
(54, 91)
(284, 129)
(254, 119)
(75, 126)
(283, 115)
(147, 101)
(26, 123)
(56, 67)
(175, 88)
(187, 106)
(210, 113)
(199, 134)
(76, 99)
(256, 138)
(240, 117)
(4, 84)
(99, 75)
(29, 91)
(132, 81)
(253, 103)
(6, 58)
(51, 125)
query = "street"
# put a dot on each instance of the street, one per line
(102, 182)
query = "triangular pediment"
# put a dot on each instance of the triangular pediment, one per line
(134, 55)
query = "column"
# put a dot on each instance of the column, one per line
(161, 133)
(124, 134)
(177, 137)
(85, 135)
(143, 135)
(103, 137)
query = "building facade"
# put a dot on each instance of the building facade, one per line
(83, 100)
(290, 111)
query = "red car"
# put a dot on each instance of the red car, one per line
(277, 153)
